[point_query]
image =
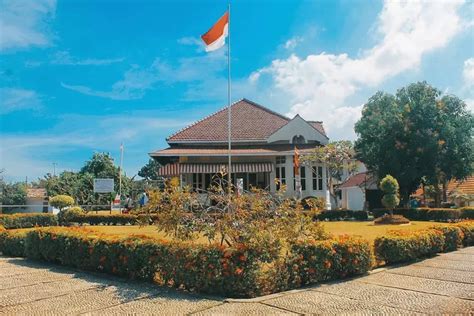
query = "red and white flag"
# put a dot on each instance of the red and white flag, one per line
(215, 37)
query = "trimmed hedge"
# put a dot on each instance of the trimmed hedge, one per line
(429, 214)
(337, 215)
(238, 271)
(467, 228)
(401, 246)
(316, 261)
(104, 219)
(12, 243)
(27, 220)
(453, 237)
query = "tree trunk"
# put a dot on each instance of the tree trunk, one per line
(445, 191)
(437, 195)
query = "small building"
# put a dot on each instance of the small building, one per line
(36, 201)
(263, 144)
(360, 192)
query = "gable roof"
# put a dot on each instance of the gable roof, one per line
(250, 122)
(466, 186)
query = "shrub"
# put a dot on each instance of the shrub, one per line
(361, 215)
(61, 201)
(12, 243)
(342, 215)
(391, 220)
(467, 212)
(401, 246)
(27, 220)
(314, 261)
(453, 237)
(467, 228)
(69, 214)
(105, 219)
(389, 186)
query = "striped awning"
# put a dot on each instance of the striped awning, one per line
(176, 168)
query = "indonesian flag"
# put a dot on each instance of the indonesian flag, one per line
(296, 162)
(215, 37)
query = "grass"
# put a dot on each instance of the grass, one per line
(365, 230)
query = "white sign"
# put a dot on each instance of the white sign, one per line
(103, 185)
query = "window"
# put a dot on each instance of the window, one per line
(298, 139)
(281, 176)
(317, 178)
(302, 178)
(280, 160)
(197, 181)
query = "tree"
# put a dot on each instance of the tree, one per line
(12, 194)
(61, 201)
(150, 170)
(336, 156)
(389, 186)
(416, 134)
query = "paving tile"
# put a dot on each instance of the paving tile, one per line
(317, 303)
(447, 264)
(454, 289)
(244, 309)
(457, 256)
(25, 279)
(398, 298)
(40, 291)
(167, 303)
(79, 301)
(435, 273)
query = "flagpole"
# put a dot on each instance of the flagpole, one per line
(120, 170)
(229, 111)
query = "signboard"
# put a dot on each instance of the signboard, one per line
(116, 203)
(103, 185)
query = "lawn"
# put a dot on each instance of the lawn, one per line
(364, 229)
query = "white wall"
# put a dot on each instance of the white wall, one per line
(353, 198)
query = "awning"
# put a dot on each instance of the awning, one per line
(176, 168)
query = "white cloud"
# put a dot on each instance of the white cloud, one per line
(293, 42)
(24, 23)
(33, 155)
(65, 58)
(137, 80)
(15, 99)
(319, 86)
(468, 72)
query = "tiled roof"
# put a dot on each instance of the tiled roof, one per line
(199, 151)
(466, 186)
(318, 125)
(250, 122)
(356, 180)
(36, 193)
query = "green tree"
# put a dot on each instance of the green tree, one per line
(61, 201)
(389, 186)
(336, 156)
(12, 194)
(150, 170)
(416, 134)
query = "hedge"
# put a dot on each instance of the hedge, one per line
(238, 271)
(311, 262)
(343, 215)
(27, 220)
(429, 214)
(402, 246)
(407, 246)
(12, 243)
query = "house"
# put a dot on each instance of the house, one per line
(36, 201)
(360, 192)
(263, 144)
(458, 192)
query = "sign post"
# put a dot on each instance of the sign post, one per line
(104, 186)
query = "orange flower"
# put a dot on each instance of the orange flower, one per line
(311, 270)
(243, 258)
(239, 271)
(327, 264)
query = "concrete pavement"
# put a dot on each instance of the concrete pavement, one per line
(444, 284)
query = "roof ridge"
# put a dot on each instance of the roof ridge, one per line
(225, 108)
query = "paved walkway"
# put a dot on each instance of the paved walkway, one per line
(444, 284)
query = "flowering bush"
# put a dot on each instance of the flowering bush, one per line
(61, 201)
(467, 228)
(453, 237)
(27, 220)
(69, 214)
(430, 214)
(400, 246)
(313, 261)
(12, 243)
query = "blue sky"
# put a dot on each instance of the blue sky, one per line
(83, 76)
